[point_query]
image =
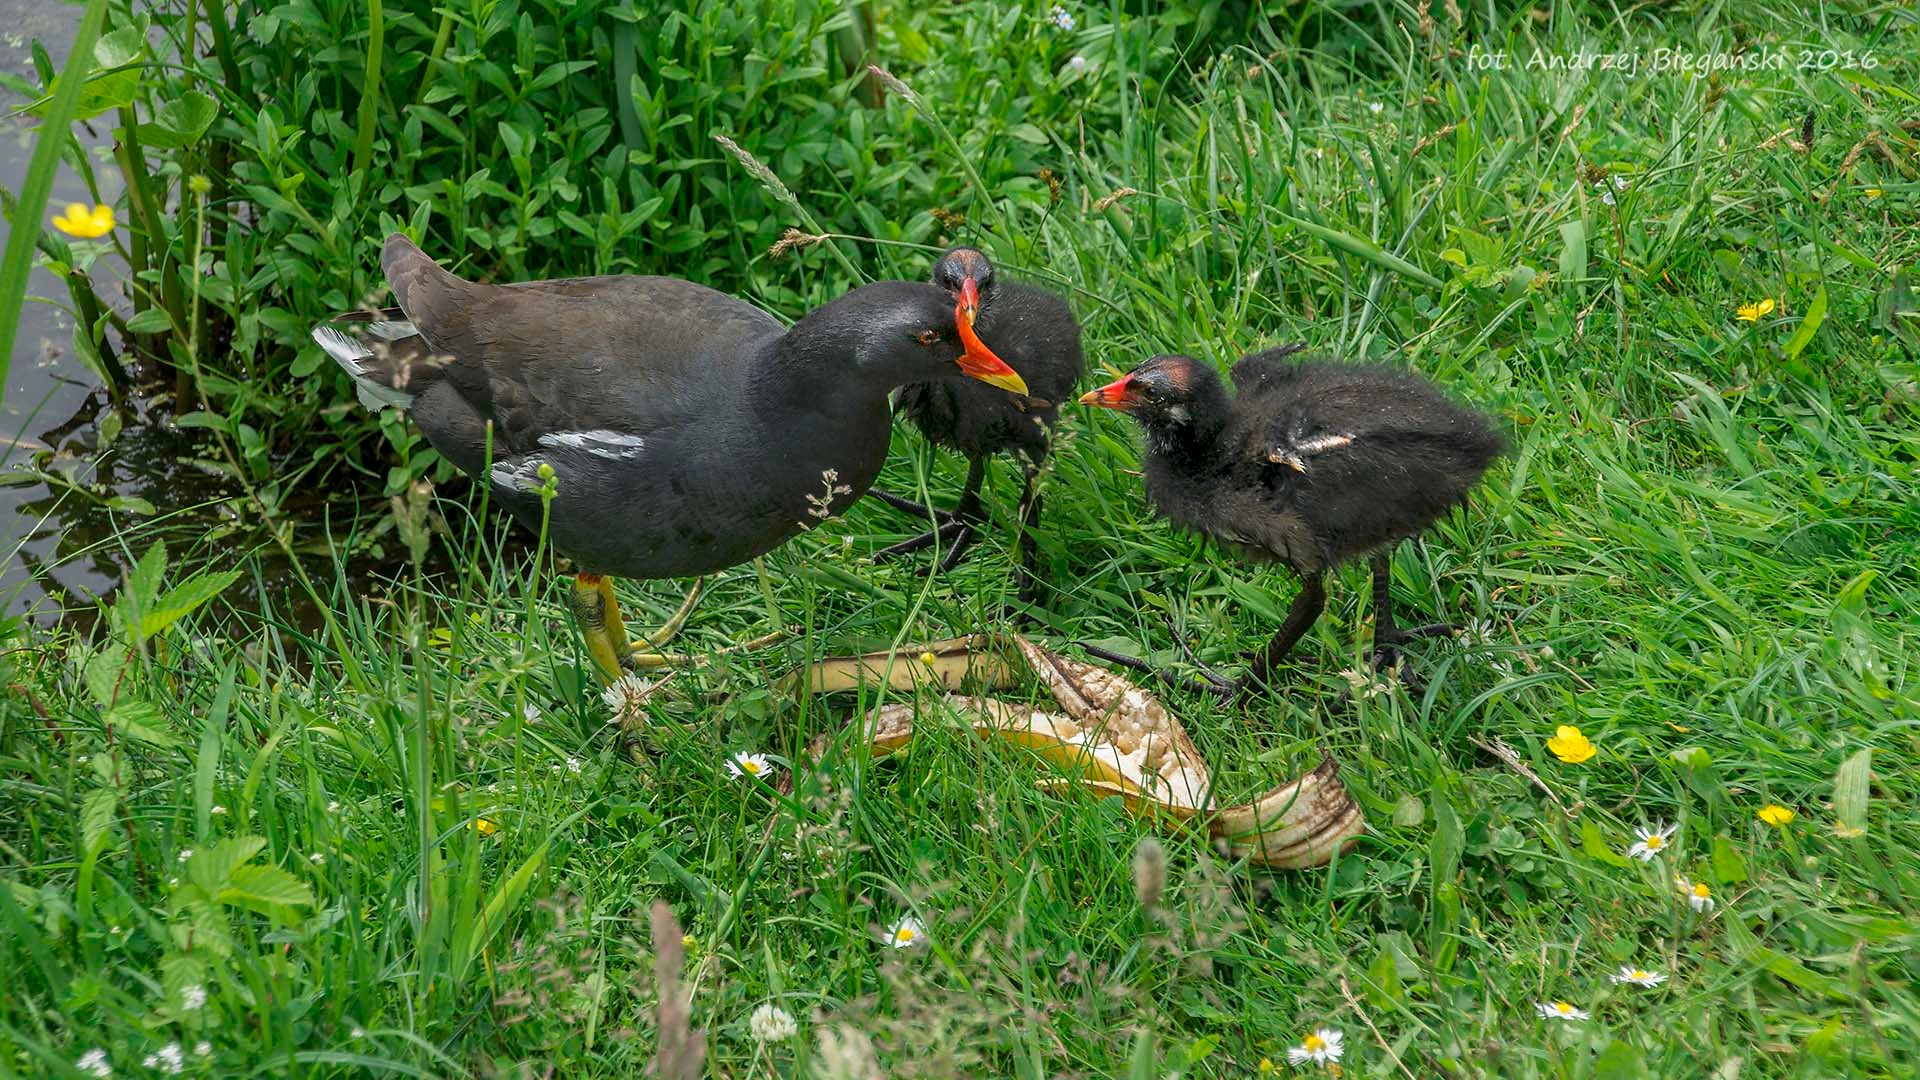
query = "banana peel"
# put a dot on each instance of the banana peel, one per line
(1109, 735)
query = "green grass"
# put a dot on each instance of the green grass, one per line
(1701, 553)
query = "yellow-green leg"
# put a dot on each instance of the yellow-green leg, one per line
(605, 631)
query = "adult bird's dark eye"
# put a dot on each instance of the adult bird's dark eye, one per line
(929, 337)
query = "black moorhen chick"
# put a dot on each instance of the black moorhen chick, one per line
(1042, 343)
(681, 431)
(1311, 465)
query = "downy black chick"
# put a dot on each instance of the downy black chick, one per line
(1310, 465)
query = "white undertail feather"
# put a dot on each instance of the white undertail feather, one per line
(352, 354)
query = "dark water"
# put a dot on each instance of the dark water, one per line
(52, 402)
(68, 541)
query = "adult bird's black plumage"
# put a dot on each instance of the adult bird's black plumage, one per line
(683, 431)
(1310, 465)
(1040, 339)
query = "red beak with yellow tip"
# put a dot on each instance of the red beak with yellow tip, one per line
(978, 361)
(1117, 394)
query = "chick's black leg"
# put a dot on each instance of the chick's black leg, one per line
(1026, 569)
(956, 526)
(1386, 633)
(1300, 618)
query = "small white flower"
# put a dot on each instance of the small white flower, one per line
(1699, 897)
(1560, 1010)
(113, 930)
(1375, 107)
(1367, 685)
(168, 1059)
(218, 810)
(627, 697)
(95, 1062)
(1637, 976)
(1619, 182)
(1322, 1047)
(1652, 841)
(193, 996)
(771, 1023)
(357, 1032)
(573, 764)
(1077, 63)
(1061, 17)
(1606, 196)
(173, 883)
(317, 858)
(906, 933)
(203, 1048)
(531, 712)
(755, 766)
(185, 854)
(333, 807)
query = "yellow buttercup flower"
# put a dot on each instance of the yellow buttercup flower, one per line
(1570, 746)
(84, 223)
(1757, 310)
(485, 826)
(1775, 814)
(1873, 193)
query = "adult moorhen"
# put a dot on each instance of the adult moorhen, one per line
(678, 430)
(1042, 342)
(1310, 465)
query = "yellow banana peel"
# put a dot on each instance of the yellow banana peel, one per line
(1109, 735)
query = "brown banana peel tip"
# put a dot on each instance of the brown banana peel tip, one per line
(1111, 736)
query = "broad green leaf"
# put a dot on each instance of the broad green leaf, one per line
(262, 888)
(494, 915)
(1816, 314)
(1383, 979)
(181, 601)
(131, 504)
(140, 720)
(143, 584)
(1619, 1062)
(1793, 971)
(1850, 793)
(1820, 1043)
(96, 818)
(213, 865)
(1596, 847)
(153, 320)
(1728, 866)
(103, 674)
(1573, 250)
(180, 123)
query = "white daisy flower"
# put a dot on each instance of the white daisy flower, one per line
(193, 996)
(1652, 841)
(94, 1062)
(168, 1059)
(1061, 17)
(771, 1024)
(1699, 897)
(906, 933)
(744, 764)
(1636, 976)
(1322, 1047)
(627, 697)
(1560, 1010)
(1375, 107)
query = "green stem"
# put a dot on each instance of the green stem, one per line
(87, 306)
(370, 93)
(223, 42)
